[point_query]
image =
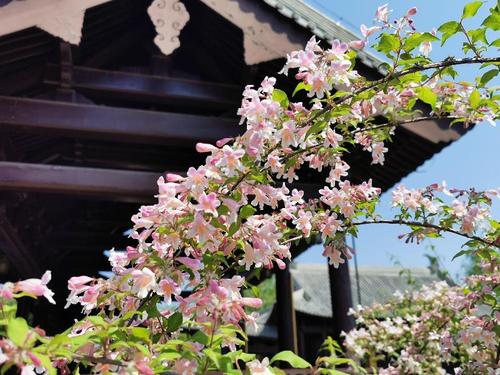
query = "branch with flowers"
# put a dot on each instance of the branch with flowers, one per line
(175, 302)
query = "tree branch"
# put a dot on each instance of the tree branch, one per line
(426, 225)
(403, 122)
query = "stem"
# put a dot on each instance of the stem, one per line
(472, 46)
(403, 122)
(292, 239)
(103, 360)
(427, 225)
(205, 367)
(141, 305)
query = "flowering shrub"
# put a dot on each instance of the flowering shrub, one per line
(175, 300)
(437, 330)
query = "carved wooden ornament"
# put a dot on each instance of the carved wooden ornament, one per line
(169, 18)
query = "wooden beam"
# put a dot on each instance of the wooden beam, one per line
(148, 88)
(110, 123)
(110, 184)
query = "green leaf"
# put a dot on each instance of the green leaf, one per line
(488, 76)
(471, 9)
(168, 356)
(474, 99)
(234, 228)
(315, 128)
(460, 253)
(448, 29)
(428, 96)
(17, 331)
(492, 21)
(478, 35)
(490, 300)
(495, 43)
(280, 97)
(247, 211)
(416, 39)
(301, 86)
(174, 322)
(290, 357)
(255, 291)
(200, 337)
(97, 320)
(388, 43)
(140, 333)
(259, 177)
(214, 357)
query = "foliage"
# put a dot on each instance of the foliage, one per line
(175, 300)
(437, 329)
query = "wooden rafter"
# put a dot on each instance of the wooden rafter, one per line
(110, 184)
(147, 88)
(110, 123)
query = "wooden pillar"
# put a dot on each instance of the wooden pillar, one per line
(340, 292)
(287, 327)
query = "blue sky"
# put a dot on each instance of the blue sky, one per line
(473, 160)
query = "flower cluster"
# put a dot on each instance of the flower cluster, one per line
(436, 330)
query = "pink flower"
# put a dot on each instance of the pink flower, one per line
(303, 222)
(89, 298)
(78, 283)
(334, 256)
(118, 260)
(340, 170)
(196, 179)
(208, 203)
(267, 84)
(425, 48)
(411, 12)
(194, 264)
(257, 367)
(357, 44)
(254, 303)
(34, 359)
(143, 281)
(200, 228)
(172, 177)
(7, 291)
(319, 81)
(205, 147)
(288, 134)
(37, 287)
(223, 141)
(367, 31)
(382, 13)
(185, 367)
(378, 151)
(230, 161)
(144, 369)
(338, 48)
(167, 288)
(330, 226)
